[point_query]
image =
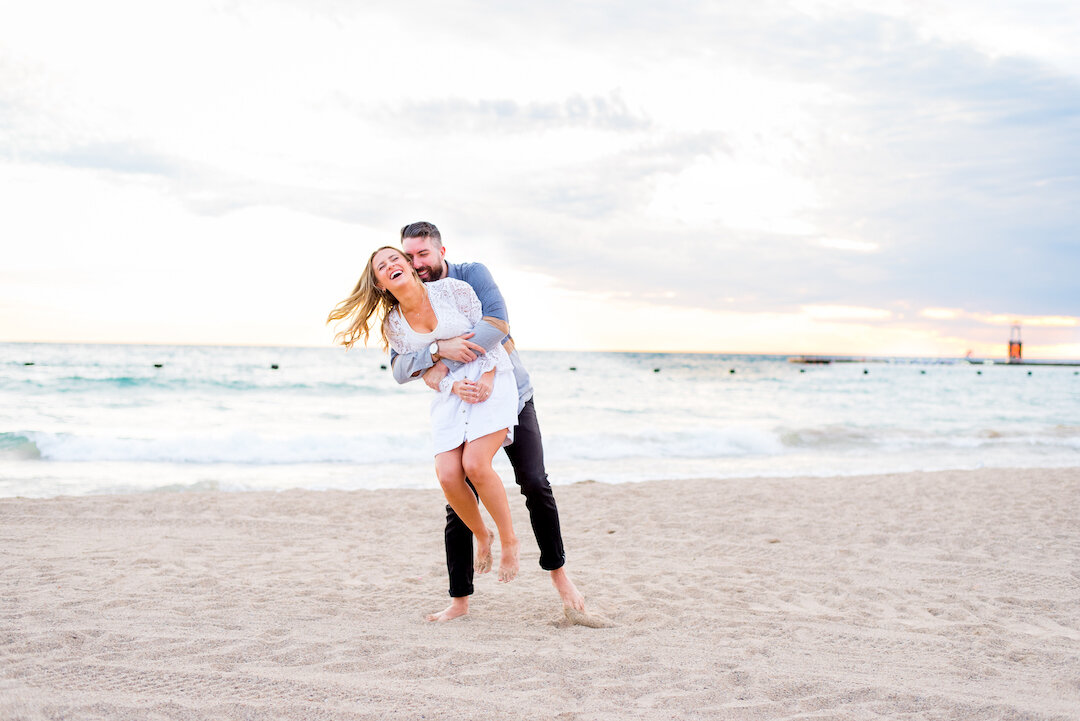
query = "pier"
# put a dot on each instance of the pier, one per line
(1015, 358)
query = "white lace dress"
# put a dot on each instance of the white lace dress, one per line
(457, 310)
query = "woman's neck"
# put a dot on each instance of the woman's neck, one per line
(412, 298)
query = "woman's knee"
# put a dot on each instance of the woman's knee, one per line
(450, 475)
(477, 465)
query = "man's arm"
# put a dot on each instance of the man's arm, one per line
(494, 326)
(409, 366)
(488, 334)
(485, 336)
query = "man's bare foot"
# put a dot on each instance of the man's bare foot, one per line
(571, 597)
(508, 561)
(459, 606)
(483, 561)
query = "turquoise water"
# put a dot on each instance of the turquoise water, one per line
(103, 419)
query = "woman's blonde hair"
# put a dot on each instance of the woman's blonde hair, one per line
(367, 303)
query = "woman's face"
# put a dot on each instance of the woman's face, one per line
(392, 270)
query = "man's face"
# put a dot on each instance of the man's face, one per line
(427, 259)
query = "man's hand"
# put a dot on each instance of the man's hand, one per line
(459, 349)
(433, 376)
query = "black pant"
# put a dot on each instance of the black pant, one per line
(526, 455)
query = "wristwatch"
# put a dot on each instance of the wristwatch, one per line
(433, 349)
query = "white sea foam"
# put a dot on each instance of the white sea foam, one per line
(245, 447)
(707, 443)
(237, 447)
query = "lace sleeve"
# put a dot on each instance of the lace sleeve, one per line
(398, 339)
(446, 385)
(468, 304)
(395, 333)
(464, 298)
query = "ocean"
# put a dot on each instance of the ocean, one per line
(106, 419)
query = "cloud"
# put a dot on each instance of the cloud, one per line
(1001, 319)
(463, 115)
(956, 168)
(714, 157)
(941, 313)
(846, 312)
(928, 162)
(850, 245)
(115, 156)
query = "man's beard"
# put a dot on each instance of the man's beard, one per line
(434, 274)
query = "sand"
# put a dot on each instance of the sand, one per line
(952, 595)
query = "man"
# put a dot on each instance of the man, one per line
(423, 242)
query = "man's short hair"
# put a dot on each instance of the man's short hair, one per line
(422, 229)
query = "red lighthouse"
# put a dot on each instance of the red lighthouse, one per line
(1015, 345)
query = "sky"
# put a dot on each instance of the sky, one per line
(800, 176)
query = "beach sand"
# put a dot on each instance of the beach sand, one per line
(951, 595)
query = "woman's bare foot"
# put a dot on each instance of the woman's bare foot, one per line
(483, 561)
(459, 606)
(508, 560)
(571, 597)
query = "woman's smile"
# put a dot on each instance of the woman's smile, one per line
(391, 266)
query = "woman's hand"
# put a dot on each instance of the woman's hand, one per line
(484, 384)
(476, 391)
(463, 390)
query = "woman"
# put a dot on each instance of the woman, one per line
(473, 414)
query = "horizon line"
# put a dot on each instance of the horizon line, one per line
(792, 354)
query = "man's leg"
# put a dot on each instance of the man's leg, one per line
(459, 565)
(459, 549)
(526, 455)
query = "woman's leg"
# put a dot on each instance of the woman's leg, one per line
(476, 462)
(451, 476)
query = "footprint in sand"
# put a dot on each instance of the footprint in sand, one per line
(584, 618)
